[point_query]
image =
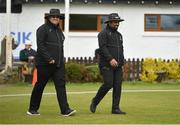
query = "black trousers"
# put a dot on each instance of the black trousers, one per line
(44, 73)
(112, 78)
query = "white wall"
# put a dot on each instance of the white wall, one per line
(137, 43)
(149, 44)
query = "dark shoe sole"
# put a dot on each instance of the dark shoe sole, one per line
(119, 113)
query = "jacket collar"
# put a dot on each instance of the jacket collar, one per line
(52, 25)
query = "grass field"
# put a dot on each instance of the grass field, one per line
(143, 106)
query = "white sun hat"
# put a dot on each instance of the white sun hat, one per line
(28, 42)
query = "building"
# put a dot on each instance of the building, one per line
(151, 27)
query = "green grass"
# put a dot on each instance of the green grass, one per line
(141, 107)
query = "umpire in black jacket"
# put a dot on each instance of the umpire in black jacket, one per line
(111, 61)
(50, 63)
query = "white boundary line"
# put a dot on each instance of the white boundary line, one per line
(90, 124)
(91, 92)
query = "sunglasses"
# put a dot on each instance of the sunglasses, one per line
(54, 16)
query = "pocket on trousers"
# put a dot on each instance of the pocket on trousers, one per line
(104, 69)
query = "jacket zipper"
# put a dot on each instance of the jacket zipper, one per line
(58, 64)
(117, 46)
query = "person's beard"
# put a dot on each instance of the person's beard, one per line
(116, 27)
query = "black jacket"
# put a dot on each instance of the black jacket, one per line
(50, 40)
(111, 46)
(25, 53)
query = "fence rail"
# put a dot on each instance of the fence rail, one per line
(132, 68)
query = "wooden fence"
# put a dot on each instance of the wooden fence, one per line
(132, 67)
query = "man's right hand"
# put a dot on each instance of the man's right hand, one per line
(52, 61)
(114, 63)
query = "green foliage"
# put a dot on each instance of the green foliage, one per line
(93, 73)
(74, 72)
(81, 73)
(155, 69)
(9, 76)
(173, 70)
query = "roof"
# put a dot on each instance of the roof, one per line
(105, 1)
(17, 2)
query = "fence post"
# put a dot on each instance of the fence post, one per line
(85, 60)
(73, 59)
(89, 61)
(129, 71)
(125, 70)
(69, 59)
(133, 69)
(81, 60)
(141, 66)
(77, 60)
(137, 69)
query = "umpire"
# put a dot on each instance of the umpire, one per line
(50, 64)
(111, 61)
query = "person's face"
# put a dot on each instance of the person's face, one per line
(27, 46)
(114, 24)
(54, 20)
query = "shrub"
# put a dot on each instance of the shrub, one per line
(74, 72)
(80, 73)
(149, 70)
(9, 77)
(153, 69)
(93, 74)
(173, 70)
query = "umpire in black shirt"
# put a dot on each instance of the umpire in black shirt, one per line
(111, 61)
(50, 63)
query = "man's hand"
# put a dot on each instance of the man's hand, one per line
(52, 61)
(114, 63)
(31, 57)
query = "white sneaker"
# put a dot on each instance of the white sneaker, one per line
(69, 112)
(33, 113)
